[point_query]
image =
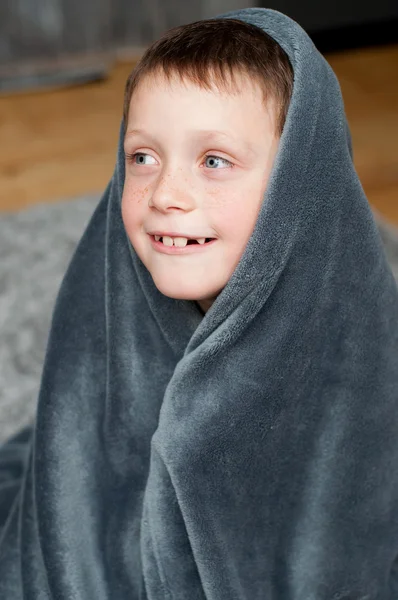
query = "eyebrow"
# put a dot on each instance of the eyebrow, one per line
(205, 134)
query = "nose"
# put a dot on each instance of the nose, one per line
(172, 192)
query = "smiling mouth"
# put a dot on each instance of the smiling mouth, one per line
(190, 242)
(173, 249)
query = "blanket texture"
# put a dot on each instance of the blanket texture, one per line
(247, 454)
(29, 283)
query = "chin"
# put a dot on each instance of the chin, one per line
(181, 290)
(178, 292)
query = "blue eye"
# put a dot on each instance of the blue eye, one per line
(131, 157)
(216, 158)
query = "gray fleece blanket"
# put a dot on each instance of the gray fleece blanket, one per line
(247, 454)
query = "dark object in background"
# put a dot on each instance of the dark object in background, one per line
(343, 24)
(356, 36)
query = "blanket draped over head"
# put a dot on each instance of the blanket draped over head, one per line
(247, 454)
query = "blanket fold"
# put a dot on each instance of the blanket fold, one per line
(246, 454)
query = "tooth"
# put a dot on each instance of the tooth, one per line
(167, 241)
(180, 242)
(157, 238)
(201, 240)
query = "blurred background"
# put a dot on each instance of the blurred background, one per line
(63, 67)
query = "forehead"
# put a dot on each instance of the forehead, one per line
(233, 84)
(241, 89)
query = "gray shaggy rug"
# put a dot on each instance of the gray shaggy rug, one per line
(35, 249)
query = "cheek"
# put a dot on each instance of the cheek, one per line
(134, 194)
(236, 214)
(132, 206)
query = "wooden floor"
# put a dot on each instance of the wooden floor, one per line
(58, 144)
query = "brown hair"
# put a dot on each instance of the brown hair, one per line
(203, 50)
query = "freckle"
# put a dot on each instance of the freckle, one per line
(142, 194)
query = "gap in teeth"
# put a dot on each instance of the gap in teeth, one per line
(180, 242)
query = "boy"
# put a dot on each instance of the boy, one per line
(247, 453)
(204, 111)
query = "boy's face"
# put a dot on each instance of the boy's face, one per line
(171, 186)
